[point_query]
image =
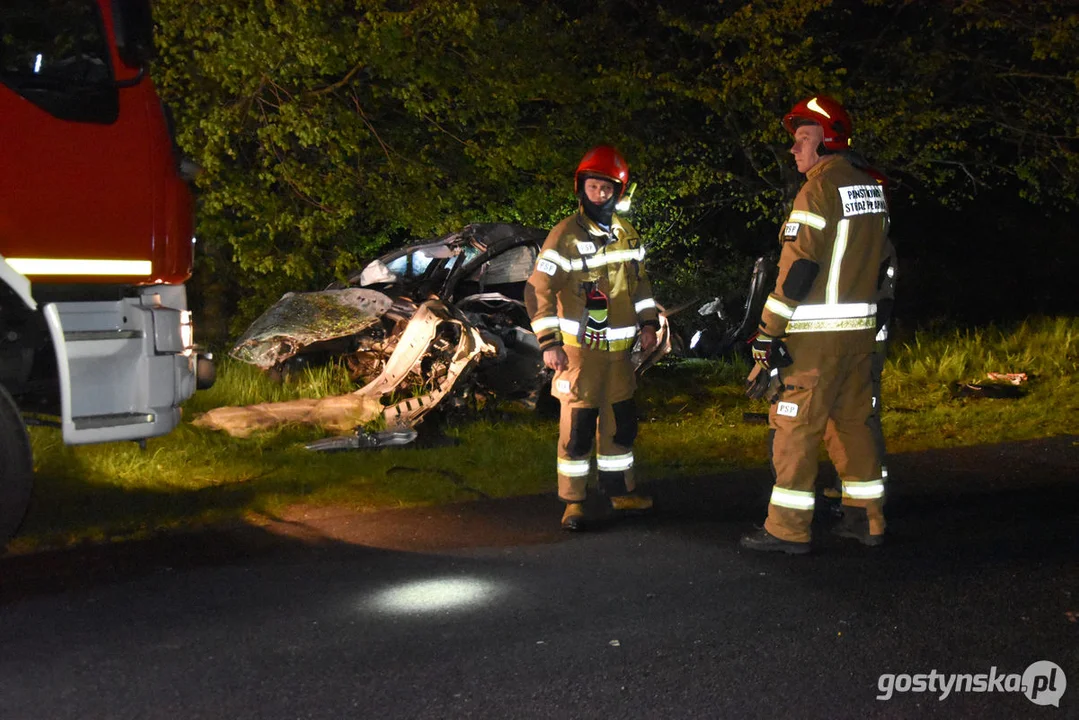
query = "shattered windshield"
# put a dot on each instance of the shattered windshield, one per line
(416, 263)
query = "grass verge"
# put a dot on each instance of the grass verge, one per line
(691, 425)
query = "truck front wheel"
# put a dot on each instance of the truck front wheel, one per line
(16, 467)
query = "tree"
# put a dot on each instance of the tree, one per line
(328, 130)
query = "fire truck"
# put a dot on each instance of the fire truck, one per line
(96, 237)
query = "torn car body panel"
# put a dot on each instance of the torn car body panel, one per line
(432, 322)
(432, 318)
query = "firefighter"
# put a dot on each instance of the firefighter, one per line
(817, 330)
(588, 298)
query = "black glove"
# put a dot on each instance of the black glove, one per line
(762, 383)
(770, 352)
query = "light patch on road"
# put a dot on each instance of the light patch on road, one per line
(434, 595)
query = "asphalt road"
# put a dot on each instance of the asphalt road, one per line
(486, 610)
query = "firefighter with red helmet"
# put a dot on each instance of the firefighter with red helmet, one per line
(588, 298)
(817, 332)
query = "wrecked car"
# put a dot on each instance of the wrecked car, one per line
(716, 333)
(441, 320)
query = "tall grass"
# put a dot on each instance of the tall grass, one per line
(921, 378)
(241, 384)
(691, 424)
(1047, 350)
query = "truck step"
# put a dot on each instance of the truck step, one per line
(90, 422)
(92, 335)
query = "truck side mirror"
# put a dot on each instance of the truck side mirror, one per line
(134, 27)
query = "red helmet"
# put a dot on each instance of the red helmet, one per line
(826, 112)
(606, 162)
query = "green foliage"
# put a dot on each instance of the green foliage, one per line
(329, 130)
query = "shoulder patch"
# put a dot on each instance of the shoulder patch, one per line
(790, 230)
(787, 409)
(586, 248)
(546, 266)
(862, 200)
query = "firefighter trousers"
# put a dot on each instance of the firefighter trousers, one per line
(818, 390)
(880, 355)
(598, 413)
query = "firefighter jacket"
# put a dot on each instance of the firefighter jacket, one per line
(835, 253)
(589, 288)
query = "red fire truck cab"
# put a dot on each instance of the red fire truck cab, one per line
(96, 236)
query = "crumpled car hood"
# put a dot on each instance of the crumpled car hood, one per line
(298, 320)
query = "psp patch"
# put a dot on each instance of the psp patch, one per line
(546, 266)
(790, 230)
(787, 409)
(586, 248)
(562, 387)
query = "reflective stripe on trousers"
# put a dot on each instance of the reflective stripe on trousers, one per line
(613, 461)
(588, 390)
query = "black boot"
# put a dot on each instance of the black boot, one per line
(764, 541)
(855, 525)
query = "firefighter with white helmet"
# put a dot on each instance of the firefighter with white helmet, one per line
(817, 332)
(588, 298)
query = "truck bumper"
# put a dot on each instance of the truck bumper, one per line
(124, 367)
